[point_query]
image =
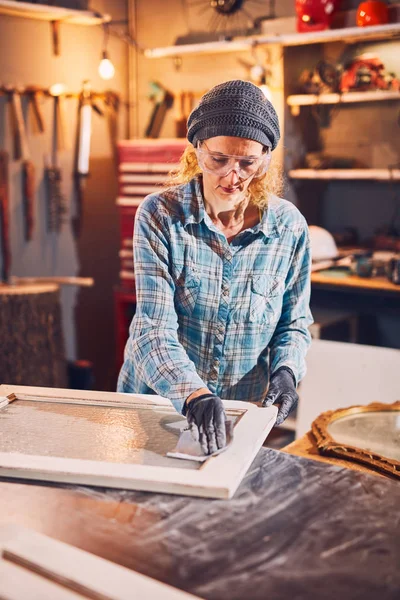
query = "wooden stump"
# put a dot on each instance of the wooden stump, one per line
(31, 337)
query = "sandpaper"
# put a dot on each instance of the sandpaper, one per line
(188, 448)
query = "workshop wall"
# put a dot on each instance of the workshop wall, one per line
(26, 57)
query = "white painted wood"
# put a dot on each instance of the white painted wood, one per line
(138, 190)
(125, 254)
(45, 12)
(219, 477)
(128, 201)
(341, 374)
(82, 396)
(17, 583)
(131, 167)
(348, 98)
(142, 178)
(46, 560)
(374, 174)
(348, 34)
(127, 275)
(201, 48)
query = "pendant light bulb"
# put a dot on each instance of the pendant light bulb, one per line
(106, 68)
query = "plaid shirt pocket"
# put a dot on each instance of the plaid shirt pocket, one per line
(186, 292)
(266, 299)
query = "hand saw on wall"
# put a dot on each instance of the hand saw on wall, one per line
(21, 151)
(83, 152)
(56, 201)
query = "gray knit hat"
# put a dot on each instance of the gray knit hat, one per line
(236, 108)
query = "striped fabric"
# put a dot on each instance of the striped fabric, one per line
(213, 314)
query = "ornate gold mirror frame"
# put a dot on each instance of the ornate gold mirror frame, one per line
(327, 444)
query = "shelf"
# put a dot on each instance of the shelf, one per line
(45, 12)
(350, 97)
(337, 174)
(348, 34)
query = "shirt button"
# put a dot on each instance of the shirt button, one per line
(225, 290)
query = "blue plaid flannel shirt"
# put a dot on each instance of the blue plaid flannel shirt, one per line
(211, 313)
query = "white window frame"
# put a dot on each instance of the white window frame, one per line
(35, 566)
(218, 477)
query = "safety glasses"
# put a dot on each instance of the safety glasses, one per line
(223, 164)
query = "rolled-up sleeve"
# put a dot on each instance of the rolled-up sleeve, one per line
(291, 339)
(157, 356)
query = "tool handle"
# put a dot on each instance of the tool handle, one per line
(63, 142)
(21, 148)
(5, 239)
(37, 111)
(28, 184)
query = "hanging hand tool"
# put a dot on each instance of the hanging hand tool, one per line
(63, 141)
(5, 241)
(82, 159)
(185, 104)
(21, 150)
(112, 102)
(18, 125)
(163, 101)
(56, 201)
(28, 192)
(34, 94)
(180, 122)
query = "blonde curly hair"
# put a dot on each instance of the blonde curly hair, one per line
(259, 190)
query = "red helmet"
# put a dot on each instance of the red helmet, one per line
(315, 15)
(372, 12)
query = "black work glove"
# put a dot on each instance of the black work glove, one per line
(282, 390)
(206, 417)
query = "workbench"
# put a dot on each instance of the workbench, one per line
(296, 529)
(376, 302)
(371, 285)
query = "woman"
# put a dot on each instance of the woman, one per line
(222, 272)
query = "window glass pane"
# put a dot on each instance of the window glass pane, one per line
(113, 434)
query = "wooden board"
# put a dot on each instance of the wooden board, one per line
(45, 434)
(36, 567)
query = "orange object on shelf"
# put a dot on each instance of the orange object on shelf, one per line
(372, 12)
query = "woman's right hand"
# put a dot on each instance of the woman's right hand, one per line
(206, 418)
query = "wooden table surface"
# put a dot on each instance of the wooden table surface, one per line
(296, 529)
(325, 279)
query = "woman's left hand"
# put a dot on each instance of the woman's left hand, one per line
(282, 391)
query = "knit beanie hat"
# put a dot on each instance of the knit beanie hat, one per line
(236, 108)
